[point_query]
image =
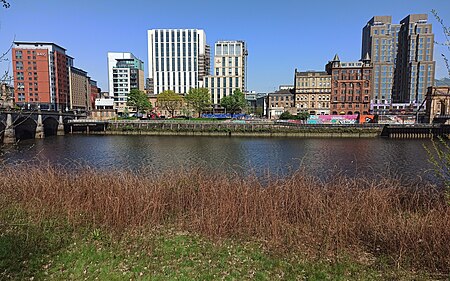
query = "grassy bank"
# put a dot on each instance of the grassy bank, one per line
(194, 225)
(53, 250)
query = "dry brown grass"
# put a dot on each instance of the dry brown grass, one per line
(409, 225)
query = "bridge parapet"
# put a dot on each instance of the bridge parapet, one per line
(32, 123)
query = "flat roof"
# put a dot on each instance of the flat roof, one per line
(38, 43)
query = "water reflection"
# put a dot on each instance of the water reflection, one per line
(319, 156)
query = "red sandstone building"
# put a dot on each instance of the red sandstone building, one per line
(94, 93)
(41, 75)
(351, 86)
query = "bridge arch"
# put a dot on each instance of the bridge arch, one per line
(2, 131)
(66, 124)
(50, 125)
(25, 128)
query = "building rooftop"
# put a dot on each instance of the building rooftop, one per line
(282, 92)
(73, 68)
(36, 44)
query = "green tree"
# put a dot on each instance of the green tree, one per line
(302, 115)
(199, 99)
(286, 116)
(139, 100)
(235, 102)
(170, 101)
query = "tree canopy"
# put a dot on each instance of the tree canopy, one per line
(235, 102)
(300, 116)
(138, 99)
(286, 116)
(170, 101)
(199, 99)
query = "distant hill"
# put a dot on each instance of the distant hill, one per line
(442, 82)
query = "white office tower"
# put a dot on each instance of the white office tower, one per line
(125, 72)
(178, 59)
(229, 70)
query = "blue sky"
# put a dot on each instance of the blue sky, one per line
(281, 35)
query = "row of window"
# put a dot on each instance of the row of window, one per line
(306, 79)
(313, 84)
(214, 82)
(350, 106)
(327, 90)
(175, 35)
(281, 104)
(167, 49)
(305, 98)
(230, 71)
(313, 105)
(350, 98)
(164, 64)
(228, 49)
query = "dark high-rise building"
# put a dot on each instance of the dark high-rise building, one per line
(415, 65)
(380, 42)
(402, 58)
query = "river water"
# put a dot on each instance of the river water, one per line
(322, 157)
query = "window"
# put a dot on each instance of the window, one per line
(219, 49)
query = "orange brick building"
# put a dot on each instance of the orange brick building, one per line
(41, 75)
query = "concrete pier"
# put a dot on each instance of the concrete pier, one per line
(10, 135)
(60, 131)
(39, 128)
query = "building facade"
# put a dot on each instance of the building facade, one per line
(94, 93)
(229, 72)
(41, 75)
(351, 86)
(438, 104)
(402, 58)
(279, 102)
(125, 72)
(415, 64)
(79, 89)
(178, 59)
(312, 92)
(380, 43)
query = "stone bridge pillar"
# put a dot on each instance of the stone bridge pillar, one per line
(60, 131)
(10, 135)
(39, 127)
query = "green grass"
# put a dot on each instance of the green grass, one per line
(54, 250)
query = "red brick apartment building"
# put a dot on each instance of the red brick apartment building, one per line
(41, 75)
(351, 86)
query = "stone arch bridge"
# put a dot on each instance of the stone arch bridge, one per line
(21, 125)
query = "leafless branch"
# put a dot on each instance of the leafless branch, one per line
(446, 31)
(3, 56)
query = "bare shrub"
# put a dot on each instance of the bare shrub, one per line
(409, 225)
